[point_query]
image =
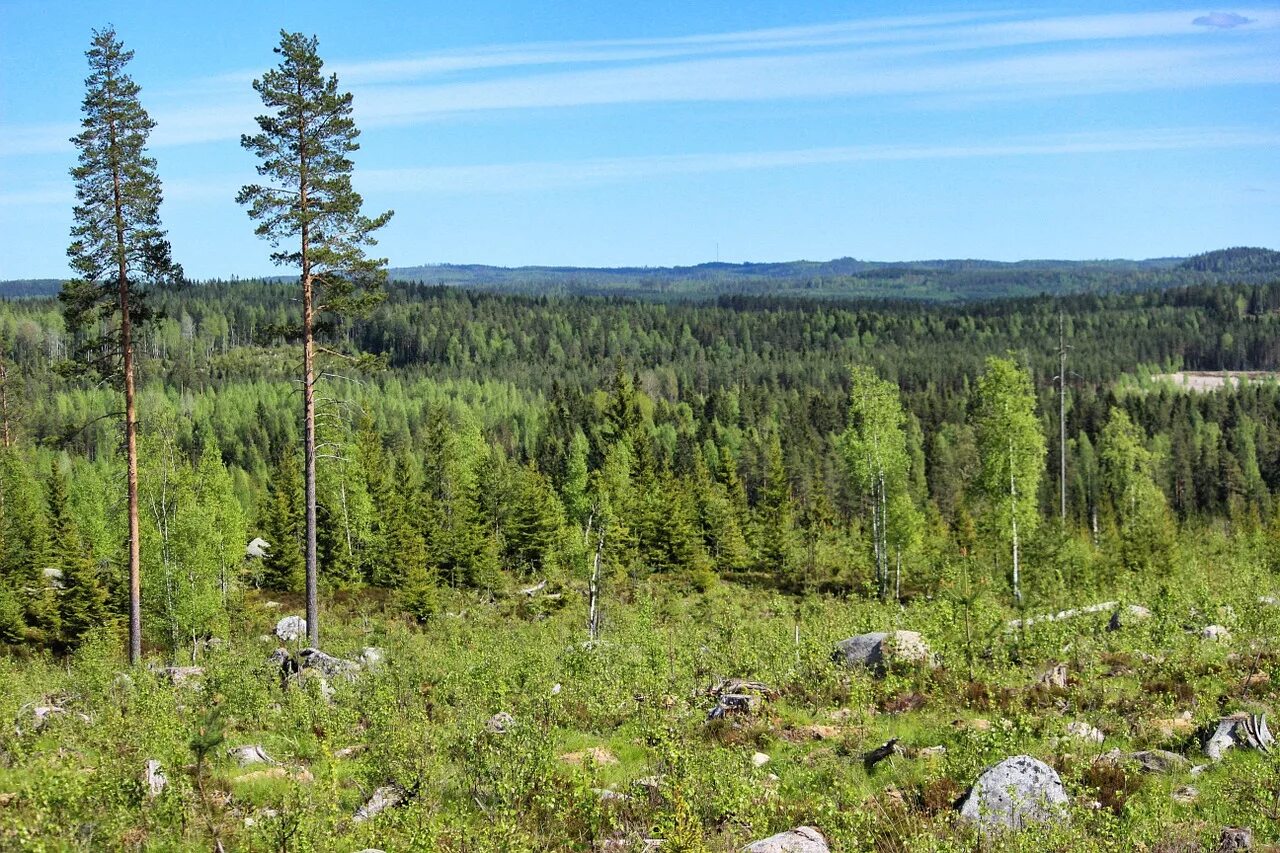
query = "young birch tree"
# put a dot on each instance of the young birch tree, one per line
(308, 202)
(1012, 447)
(117, 248)
(875, 450)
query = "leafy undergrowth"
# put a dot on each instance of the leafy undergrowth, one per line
(629, 716)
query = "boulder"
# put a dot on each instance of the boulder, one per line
(1128, 616)
(1014, 793)
(1072, 613)
(388, 796)
(326, 664)
(802, 839)
(290, 629)
(372, 656)
(877, 649)
(759, 759)
(257, 548)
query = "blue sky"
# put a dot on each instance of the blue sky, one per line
(664, 133)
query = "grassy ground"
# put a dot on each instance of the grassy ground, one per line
(629, 716)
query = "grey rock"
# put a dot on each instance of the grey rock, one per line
(250, 754)
(1014, 793)
(326, 664)
(1158, 761)
(1217, 633)
(877, 649)
(257, 548)
(1061, 614)
(388, 796)
(802, 839)
(372, 657)
(290, 629)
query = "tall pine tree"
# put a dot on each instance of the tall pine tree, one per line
(117, 247)
(304, 147)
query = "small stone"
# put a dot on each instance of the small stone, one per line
(1186, 795)
(1217, 633)
(372, 656)
(350, 751)
(290, 629)
(759, 760)
(1081, 730)
(500, 723)
(1158, 761)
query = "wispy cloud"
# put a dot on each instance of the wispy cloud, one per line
(544, 175)
(1222, 20)
(924, 62)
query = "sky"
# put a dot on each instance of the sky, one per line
(672, 133)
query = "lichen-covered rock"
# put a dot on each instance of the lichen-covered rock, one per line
(1158, 761)
(877, 649)
(802, 839)
(153, 777)
(327, 664)
(1014, 793)
(290, 629)
(500, 723)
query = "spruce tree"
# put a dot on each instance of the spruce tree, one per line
(305, 144)
(82, 599)
(118, 246)
(283, 527)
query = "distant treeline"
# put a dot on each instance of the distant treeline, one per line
(843, 278)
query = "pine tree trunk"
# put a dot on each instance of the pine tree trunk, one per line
(130, 425)
(309, 453)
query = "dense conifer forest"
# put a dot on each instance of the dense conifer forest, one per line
(491, 426)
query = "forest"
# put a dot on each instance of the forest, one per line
(332, 562)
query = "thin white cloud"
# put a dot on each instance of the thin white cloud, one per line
(490, 178)
(919, 62)
(1222, 20)
(543, 175)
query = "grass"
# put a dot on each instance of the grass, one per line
(76, 783)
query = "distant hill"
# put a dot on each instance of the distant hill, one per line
(20, 288)
(843, 278)
(933, 280)
(1238, 261)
